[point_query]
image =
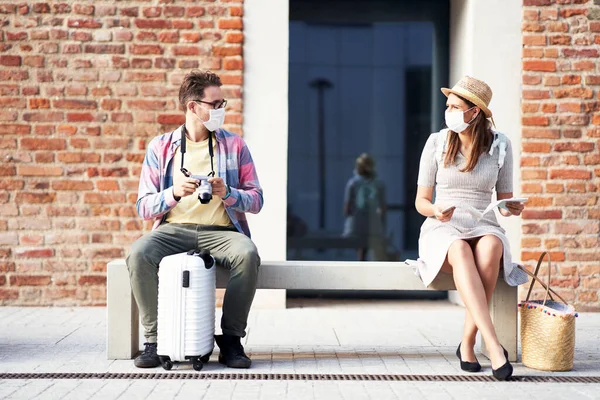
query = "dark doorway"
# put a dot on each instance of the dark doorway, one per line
(364, 78)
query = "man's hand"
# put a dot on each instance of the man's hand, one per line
(218, 187)
(187, 187)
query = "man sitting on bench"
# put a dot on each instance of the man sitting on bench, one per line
(184, 221)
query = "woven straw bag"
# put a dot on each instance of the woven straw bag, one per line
(547, 328)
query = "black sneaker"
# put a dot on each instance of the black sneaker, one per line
(231, 352)
(149, 358)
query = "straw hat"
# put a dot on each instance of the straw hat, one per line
(474, 90)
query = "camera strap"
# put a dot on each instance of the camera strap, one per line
(210, 152)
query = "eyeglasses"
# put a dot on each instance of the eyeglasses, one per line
(215, 104)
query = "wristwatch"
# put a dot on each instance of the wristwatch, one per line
(227, 193)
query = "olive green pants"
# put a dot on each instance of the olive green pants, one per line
(231, 249)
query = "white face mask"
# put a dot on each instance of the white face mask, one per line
(216, 120)
(456, 121)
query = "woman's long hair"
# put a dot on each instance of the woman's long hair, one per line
(482, 140)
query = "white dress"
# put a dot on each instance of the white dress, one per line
(493, 170)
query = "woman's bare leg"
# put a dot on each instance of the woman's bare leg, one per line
(472, 292)
(488, 252)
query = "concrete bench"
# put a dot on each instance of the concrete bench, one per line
(123, 316)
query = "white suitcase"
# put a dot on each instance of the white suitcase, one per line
(186, 308)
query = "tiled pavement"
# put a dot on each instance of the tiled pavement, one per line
(311, 337)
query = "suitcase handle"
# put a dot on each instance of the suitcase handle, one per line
(209, 261)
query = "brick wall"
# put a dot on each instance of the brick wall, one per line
(84, 86)
(560, 164)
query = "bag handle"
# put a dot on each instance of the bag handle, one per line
(535, 278)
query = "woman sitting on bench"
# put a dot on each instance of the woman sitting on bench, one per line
(464, 163)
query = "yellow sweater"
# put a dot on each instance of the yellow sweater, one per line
(190, 210)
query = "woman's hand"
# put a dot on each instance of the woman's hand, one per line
(438, 212)
(513, 208)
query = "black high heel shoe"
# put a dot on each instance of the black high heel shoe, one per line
(504, 372)
(466, 365)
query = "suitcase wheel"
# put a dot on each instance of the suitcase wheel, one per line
(205, 358)
(197, 364)
(166, 363)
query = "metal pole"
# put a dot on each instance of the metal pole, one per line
(321, 84)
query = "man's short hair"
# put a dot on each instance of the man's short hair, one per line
(194, 84)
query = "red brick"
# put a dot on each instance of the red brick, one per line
(61, 8)
(533, 174)
(70, 158)
(570, 12)
(580, 200)
(231, 23)
(532, 52)
(8, 294)
(528, 3)
(10, 61)
(144, 76)
(236, 11)
(46, 144)
(107, 185)
(141, 63)
(34, 253)
(146, 104)
(191, 37)
(121, 117)
(172, 11)
(586, 53)
(13, 75)
(146, 49)
(167, 63)
(532, 27)
(92, 280)
(101, 198)
(591, 159)
(88, 23)
(24, 197)
(110, 104)
(153, 23)
(570, 174)
(193, 12)
(75, 104)
(535, 255)
(182, 24)
(583, 93)
(104, 48)
(72, 185)
(171, 119)
(584, 66)
(224, 51)
(581, 147)
(535, 120)
(7, 8)
(152, 12)
(188, 51)
(234, 37)
(233, 64)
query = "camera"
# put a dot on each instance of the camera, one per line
(204, 189)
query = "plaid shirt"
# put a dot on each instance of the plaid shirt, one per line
(235, 167)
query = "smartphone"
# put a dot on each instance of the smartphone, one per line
(447, 210)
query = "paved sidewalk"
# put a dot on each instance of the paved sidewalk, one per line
(311, 337)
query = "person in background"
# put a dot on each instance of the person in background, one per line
(365, 209)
